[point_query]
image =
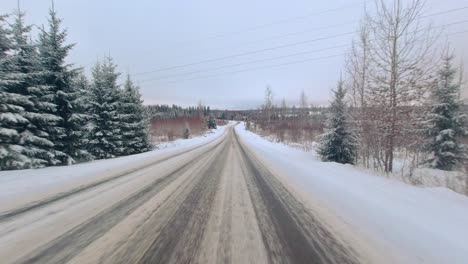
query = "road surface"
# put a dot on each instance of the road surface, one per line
(212, 204)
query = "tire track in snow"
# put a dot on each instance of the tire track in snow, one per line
(74, 241)
(181, 237)
(219, 205)
(290, 233)
(8, 215)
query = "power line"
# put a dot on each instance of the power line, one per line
(278, 65)
(444, 12)
(283, 21)
(246, 53)
(305, 31)
(275, 47)
(245, 63)
(456, 33)
(277, 36)
(259, 68)
(278, 57)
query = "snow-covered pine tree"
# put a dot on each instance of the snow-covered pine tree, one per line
(30, 102)
(338, 144)
(105, 137)
(78, 123)
(186, 133)
(11, 108)
(134, 125)
(211, 123)
(445, 122)
(57, 76)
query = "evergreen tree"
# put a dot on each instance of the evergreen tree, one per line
(135, 130)
(105, 137)
(11, 108)
(338, 143)
(211, 122)
(78, 123)
(186, 133)
(57, 76)
(445, 123)
(28, 104)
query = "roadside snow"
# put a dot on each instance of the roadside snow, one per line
(22, 186)
(403, 170)
(408, 224)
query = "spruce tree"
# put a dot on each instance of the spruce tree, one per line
(338, 143)
(105, 137)
(211, 122)
(30, 103)
(445, 123)
(134, 125)
(12, 153)
(57, 76)
(78, 123)
(186, 133)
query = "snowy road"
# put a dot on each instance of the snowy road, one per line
(215, 203)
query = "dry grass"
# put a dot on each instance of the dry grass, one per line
(293, 131)
(221, 122)
(163, 130)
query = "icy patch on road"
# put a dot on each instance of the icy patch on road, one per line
(411, 224)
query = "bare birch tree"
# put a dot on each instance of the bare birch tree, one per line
(303, 102)
(357, 68)
(284, 108)
(268, 105)
(400, 70)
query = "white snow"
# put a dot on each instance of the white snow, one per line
(403, 170)
(6, 132)
(20, 187)
(454, 180)
(408, 224)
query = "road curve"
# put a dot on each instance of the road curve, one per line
(213, 204)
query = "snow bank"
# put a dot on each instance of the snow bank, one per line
(407, 223)
(454, 180)
(20, 186)
(404, 170)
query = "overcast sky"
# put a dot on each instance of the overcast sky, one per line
(173, 46)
